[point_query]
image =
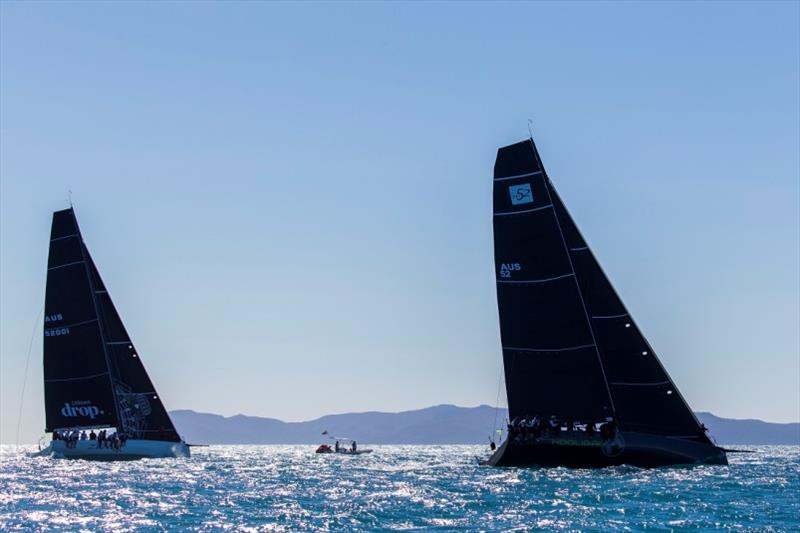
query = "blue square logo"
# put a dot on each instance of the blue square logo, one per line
(521, 194)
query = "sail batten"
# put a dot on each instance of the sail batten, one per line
(90, 380)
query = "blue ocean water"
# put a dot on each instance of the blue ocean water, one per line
(397, 487)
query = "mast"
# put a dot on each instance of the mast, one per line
(93, 292)
(547, 186)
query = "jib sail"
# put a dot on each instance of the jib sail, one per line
(93, 374)
(570, 347)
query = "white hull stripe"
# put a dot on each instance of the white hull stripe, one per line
(610, 316)
(66, 265)
(519, 176)
(64, 237)
(536, 280)
(571, 348)
(78, 379)
(656, 384)
(503, 213)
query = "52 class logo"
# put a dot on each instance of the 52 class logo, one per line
(521, 194)
(507, 268)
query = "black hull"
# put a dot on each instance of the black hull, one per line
(635, 449)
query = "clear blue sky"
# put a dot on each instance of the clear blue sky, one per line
(290, 203)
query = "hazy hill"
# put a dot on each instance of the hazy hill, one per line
(440, 424)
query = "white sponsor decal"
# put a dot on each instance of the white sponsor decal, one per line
(507, 268)
(56, 332)
(55, 317)
(82, 408)
(521, 194)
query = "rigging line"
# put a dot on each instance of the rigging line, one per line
(85, 255)
(577, 285)
(497, 399)
(39, 315)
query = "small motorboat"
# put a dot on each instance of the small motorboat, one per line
(342, 446)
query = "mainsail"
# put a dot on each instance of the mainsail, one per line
(570, 347)
(93, 375)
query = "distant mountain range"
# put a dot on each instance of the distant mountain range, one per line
(440, 424)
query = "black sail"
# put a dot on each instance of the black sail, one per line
(639, 392)
(78, 385)
(140, 409)
(552, 364)
(645, 397)
(126, 392)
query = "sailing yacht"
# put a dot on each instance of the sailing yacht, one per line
(94, 378)
(573, 355)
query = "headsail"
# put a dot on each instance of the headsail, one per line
(570, 348)
(140, 409)
(137, 408)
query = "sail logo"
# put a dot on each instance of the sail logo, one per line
(521, 194)
(87, 411)
(507, 268)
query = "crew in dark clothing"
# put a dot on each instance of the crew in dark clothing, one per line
(353, 447)
(570, 425)
(590, 429)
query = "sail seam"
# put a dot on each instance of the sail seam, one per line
(610, 316)
(579, 249)
(64, 237)
(65, 265)
(535, 280)
(519, 176)
(569, 349)
(118, 342)
(504, 213)
(78, 378)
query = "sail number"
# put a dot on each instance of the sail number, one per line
(55, 332)
(507, 268)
